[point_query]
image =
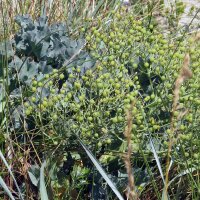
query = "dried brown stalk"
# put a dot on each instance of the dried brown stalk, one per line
(184, 74)
(197, 37)
(131, 193)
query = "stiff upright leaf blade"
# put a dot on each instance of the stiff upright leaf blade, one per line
(43, 191)
(4, 186)
(157, 159)
(101, 170)
(8, 167)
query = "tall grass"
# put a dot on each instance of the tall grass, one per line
(73, 12)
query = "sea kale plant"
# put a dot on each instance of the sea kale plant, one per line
(136, 67)
(38, 48)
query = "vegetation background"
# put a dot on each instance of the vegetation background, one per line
(99, 99)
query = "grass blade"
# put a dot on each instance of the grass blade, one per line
(8, 167)
(187, 171)
(100, 3)
(157, 160)
(43, 191)
(2, 183)
(164, 194)
(101, 170)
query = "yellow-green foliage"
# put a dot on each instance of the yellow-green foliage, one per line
(134, 63)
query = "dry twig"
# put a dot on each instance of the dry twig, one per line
(131, 193)
(185, 73)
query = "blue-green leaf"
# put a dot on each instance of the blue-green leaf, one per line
(43, 191)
